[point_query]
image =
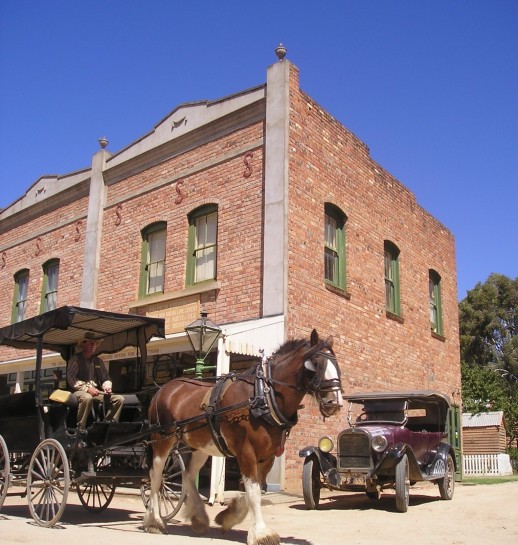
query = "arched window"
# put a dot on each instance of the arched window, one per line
(49, 289)
(434, 290)
(202, 244)
(334, 246)
(392, 301)
(21, 289)
(152, 262)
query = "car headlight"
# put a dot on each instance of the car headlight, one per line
(325, 444)
(379, 443)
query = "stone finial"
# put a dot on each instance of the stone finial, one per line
(103, 142)
(280, 51)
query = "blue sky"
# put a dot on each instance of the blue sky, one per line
(430, 86)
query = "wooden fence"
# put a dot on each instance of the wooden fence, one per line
(486, 464)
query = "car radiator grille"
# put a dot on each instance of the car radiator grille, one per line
(354, 451)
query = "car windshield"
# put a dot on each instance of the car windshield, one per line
(386, 411)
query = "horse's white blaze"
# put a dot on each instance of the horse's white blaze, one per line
(330, 373)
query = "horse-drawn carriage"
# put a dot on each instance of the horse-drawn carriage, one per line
(246, 416)
(41, 448)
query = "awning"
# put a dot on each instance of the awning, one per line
(61, 329)
(249, 338)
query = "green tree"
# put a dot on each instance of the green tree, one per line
(489, 324)
(489, 349)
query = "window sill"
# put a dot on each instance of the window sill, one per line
(163, 297)
(338, 291)
(395, 317)
(438, 337)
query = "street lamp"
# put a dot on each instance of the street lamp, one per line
(202, 334)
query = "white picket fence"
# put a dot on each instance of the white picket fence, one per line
(487, 464)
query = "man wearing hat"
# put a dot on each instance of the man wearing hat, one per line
(89, 380)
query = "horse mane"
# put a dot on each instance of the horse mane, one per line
(291, 346)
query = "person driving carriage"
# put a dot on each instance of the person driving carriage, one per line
(89, 380)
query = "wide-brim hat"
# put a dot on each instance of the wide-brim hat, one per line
(90, 336)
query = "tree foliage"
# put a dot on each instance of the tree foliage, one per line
(489, 324)
(489, 349)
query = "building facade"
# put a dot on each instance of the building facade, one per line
(263, 209)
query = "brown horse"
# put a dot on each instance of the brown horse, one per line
(246, 416)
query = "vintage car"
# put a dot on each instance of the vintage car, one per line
(394, 440)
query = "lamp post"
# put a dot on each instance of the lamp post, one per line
(202, 334)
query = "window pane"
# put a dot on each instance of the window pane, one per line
(51, 295)
(390, 286)
(156, 261)
(21, 304)
(205, 247)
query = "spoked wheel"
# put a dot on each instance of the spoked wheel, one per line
(311, 483)
(402, 485)
(5, 470)
(96, 496)
(447, 484)
(48, 483)
(171, 494)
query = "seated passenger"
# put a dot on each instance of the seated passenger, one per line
(89, 380)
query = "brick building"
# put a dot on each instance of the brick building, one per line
(266, 211)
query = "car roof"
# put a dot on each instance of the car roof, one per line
(426, 396)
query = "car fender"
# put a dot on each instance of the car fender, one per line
(325, 460)
(443, 450)
(387, 465)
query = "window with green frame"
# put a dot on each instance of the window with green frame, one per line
(49, 290)
(334, 246)
(202, 244)
(152, 261)
(434, 290)
(21, 290)
(392, 300)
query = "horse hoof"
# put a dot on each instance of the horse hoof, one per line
(154, 530)
(267, 537)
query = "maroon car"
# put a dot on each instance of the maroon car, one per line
(394, 440)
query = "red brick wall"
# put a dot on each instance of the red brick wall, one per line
(57, 242)
(329, 164)
(239, 200)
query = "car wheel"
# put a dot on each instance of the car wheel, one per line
(402, 485)
(311, 483)
(447, 483)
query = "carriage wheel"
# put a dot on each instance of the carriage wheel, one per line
(96, 496)
(48, 482)
(5, 470)
(172, 493)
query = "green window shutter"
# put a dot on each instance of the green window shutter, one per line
(434, 287)
(152, 259)
(334, 246)
(392, 288)
(202, 245)
(49, 289)
(21, 288)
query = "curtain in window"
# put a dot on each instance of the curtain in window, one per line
(331, 250)
(156, 261)
(51, 295)
(205, 247)
(21, 303)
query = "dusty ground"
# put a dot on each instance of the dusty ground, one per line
(477, 515)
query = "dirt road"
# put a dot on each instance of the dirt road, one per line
(477, 515)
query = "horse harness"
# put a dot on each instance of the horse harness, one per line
(262, 404)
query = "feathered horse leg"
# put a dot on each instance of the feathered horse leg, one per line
(153, 522)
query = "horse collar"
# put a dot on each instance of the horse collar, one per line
(264, 404)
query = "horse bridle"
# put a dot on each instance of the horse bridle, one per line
(264, 403)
